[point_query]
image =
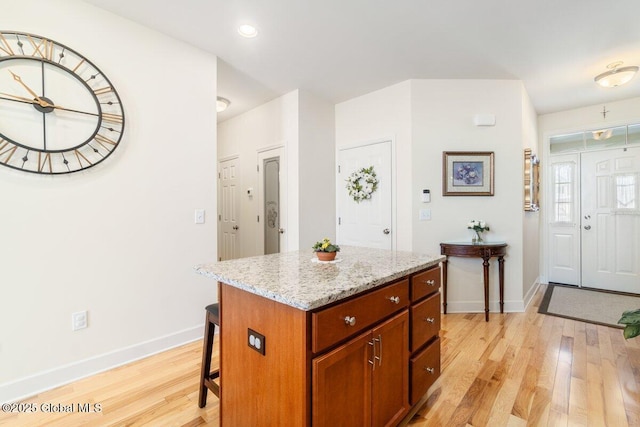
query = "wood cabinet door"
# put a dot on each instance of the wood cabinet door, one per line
(390, 382)
(342, 385)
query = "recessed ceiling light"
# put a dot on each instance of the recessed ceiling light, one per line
(248, 31)
(222, 104)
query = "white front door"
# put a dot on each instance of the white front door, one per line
(610, 220)
(564, 219)
(368, 222)
(228, 227)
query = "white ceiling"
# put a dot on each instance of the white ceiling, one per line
(340, 49)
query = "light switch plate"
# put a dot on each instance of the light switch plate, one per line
(199, 216)
(425, 215)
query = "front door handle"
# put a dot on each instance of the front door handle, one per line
(587, 227)
(235, 227)
(386, 231)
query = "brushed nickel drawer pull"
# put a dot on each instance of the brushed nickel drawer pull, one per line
(350, 320)
(395, 299)
(430, 370)
(429, 282)
(372, 344)
(429, 319)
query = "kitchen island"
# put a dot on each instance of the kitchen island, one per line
(350, 342)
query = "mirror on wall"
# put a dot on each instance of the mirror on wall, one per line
(531, 181)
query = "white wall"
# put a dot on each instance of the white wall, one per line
(317, 201)
(271, 124)
(442, 120)
(384, 115)
(119, 239)
(425, 118)
(303, 124)
(531, 221)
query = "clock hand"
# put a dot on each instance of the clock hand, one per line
(19, 80)
(69, 109)
(42, 103)
(18, 98)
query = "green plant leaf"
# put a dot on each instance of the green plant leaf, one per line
(631, 331)
(631, 317)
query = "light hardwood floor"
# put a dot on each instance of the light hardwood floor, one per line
(519, 369)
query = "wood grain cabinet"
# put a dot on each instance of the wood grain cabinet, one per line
(425, 329)
(365, 381)
(367, 360)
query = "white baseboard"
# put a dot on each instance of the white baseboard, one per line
(28, 386)
(532, 291)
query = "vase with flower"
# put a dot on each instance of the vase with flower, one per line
(479, 227)
(325, 250)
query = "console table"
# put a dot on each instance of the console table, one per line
(484, 250)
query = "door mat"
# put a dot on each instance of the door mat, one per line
(587, 304)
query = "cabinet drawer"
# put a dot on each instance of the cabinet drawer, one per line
(425, 370)
(425, 321)
(425, 283)
(330, 326)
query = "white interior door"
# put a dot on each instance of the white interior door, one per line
(564, 219)
(368, 222)
(611, 219)
(228, 227)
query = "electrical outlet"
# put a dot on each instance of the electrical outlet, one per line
(78, 320)
(256, 341)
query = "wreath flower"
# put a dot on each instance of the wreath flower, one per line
(362, 184)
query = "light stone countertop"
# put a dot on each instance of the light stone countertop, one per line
(292, 278)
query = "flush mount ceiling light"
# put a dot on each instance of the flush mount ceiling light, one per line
(222, 104)
(248, 31)
(616, 75)
(602, 134)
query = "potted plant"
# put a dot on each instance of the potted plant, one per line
(325, 250)
(631, 320)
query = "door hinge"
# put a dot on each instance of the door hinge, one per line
(219, 176)
(338, 168)
(339, 221)
(219, 217)
(257, 168)
(258, 218)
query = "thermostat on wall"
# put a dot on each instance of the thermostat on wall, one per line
(425, 196)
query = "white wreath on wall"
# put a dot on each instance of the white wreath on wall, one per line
(362, 184)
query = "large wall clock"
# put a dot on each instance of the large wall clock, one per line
(58, 112)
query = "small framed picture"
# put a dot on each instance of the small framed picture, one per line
(467, 173)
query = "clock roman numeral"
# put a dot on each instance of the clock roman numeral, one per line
(7, 152)
(75, 70)
(79, 157)
(5, 46)
(104, 140)
(44, 49)
(103, 90)
(44, 161)
(112, 118)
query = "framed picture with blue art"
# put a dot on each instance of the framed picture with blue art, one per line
(467, 173)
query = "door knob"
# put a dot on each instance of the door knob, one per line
(386, 231)
(587, 227)
(281, 230)
(235, 227)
